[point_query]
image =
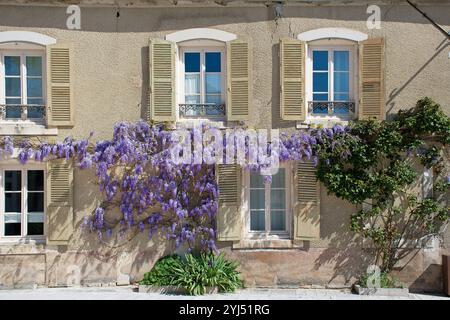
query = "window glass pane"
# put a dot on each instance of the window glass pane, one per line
(320, 97)
(13, 202)
(278, 179)
(341, 97)
(212, 61)
(35, 202)
(13, 112)
(277, 221)
(192, 62)
(34, 66)
(213, 83)
(277, 199)
(257, 222)
(12, 87)
(341, 82)
(192, 84)
(257, 199)
(34, 87)
(35, 180)
(12, 66)
(213, 98)
(35, 224)
(341, 61)
(12, 229)
(13, 180)
(35, 229)
(320, 82)
(256, 180)
(320, 60)
(194, 99)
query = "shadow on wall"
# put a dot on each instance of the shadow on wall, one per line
(390, 102)
(429, 281)
(107, 19)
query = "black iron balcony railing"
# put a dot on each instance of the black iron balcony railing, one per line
(199, 110)
(332, 108)
(31, 112)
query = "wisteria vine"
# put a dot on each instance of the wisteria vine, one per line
(135, 173)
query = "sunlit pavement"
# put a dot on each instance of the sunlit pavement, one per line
(130, 293)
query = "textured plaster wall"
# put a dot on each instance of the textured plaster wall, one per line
(110, 84)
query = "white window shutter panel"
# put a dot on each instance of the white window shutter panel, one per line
(229, 220)
(371, 80)
(307, 209)
(292, 80)
(59, 213)
(60, 102)
(239, 80)
(161, 102)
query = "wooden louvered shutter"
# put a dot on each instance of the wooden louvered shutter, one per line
(161, 100)
(229, 220)
(239, 94)
(292, 79)
(59, 86)
(371, 79)
(60, 202)
(307, 208)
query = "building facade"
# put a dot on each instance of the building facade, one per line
(286, 66)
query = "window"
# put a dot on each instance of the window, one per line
(22, 202)
(268, 205)
(22, 85)
(332, 82)
(203, 82)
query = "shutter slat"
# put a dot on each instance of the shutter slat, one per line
(372, 79)
(60, 91)
(292, 65)
(161, 98)
(239, 80)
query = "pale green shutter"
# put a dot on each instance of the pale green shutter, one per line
(161, 102)
(371, 76)
(239, 64)
(292, 79)
(229, 220)
(307, 208)
(59, 214)
(59, 86)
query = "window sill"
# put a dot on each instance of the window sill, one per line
(268, 244)
(192, 122)
(26, 128)
(7, 241)
(327, 122)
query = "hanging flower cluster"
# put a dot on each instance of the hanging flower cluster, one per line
(136, 174)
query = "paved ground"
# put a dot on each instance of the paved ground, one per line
(129, 293)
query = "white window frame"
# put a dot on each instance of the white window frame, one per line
(201, 46)
(24, 214)
(22, 54)
(330, 46)
(269, 235)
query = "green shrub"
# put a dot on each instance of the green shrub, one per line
(195, 273)
(386, 280)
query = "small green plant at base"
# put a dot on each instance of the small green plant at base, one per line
(386, 281)
(195, 273)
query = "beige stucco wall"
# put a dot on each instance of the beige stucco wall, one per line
(110, 84)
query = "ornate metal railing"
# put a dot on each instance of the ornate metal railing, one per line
(331, 108)
(198, 110)
(31, 112)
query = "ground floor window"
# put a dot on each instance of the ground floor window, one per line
(268, 205)
(22, 202)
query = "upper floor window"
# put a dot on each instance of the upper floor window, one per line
(202, 82)
(22, 88)
(332, 82)
(22, 199)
